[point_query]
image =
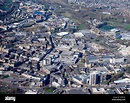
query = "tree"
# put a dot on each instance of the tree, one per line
(117, 76)
(128, 69)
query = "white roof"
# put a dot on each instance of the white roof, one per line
(115, 29)
(95, 90)
(55, 84)
(62, 33)
(126, 36)
(78, 34)
(31, 92)
(101, 68)
(126, 80)
(102, 90)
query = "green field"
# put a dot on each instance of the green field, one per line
(6, 76)
(82, 26)
(68, 15)
(49, 89)
(2, 93)
(127, 27)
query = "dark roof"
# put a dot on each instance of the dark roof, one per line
(106, 56)
(118, 36)
(92, 57)
(110, 92)
(77, 78)
(79, 91)
(37, 13)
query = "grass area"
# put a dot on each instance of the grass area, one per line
(6, 76)
(118, 23)
(2, 93)
(49, 89)
(68, 15)
(127, 27)
(114, 22)
(82, 26)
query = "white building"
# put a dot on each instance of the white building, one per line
(99, 91)
(1, 72)
(55, 84)
(125, 51)
(115, 30)
(78, 34)
(77, 80)
(63, 47)
(81, 79)
(126, 80)
(125, 36)
(31, 92)
(30, 76)
(62, 33)
(93, 78)
(96, 46)
(107, 13)
(117, 60)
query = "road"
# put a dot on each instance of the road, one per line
(38, 64)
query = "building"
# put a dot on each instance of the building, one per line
(78, 34)
(125, 36)
(118, 36)
(77, 79)
(31, 92)
(124, 50)
(55, 84)
(81, 79)
(62, 33)
(99, 91)
(94, 78)
(38, 18)
(106, 58)
(93, 59)
(30, 76)
(1, 72)
(71, 1)
(126, 80)
(104, 76)
(117, 60)
(58, 79)
(106, 13)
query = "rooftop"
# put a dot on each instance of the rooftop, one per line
(31, 92)
(77, 91)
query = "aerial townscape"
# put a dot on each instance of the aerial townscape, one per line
(64, 47)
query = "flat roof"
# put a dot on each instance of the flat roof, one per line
(31, 92)
(62, 33)
(78, 78)
(91, 57)
(126, 80)
(77, 91)
(101, 68)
